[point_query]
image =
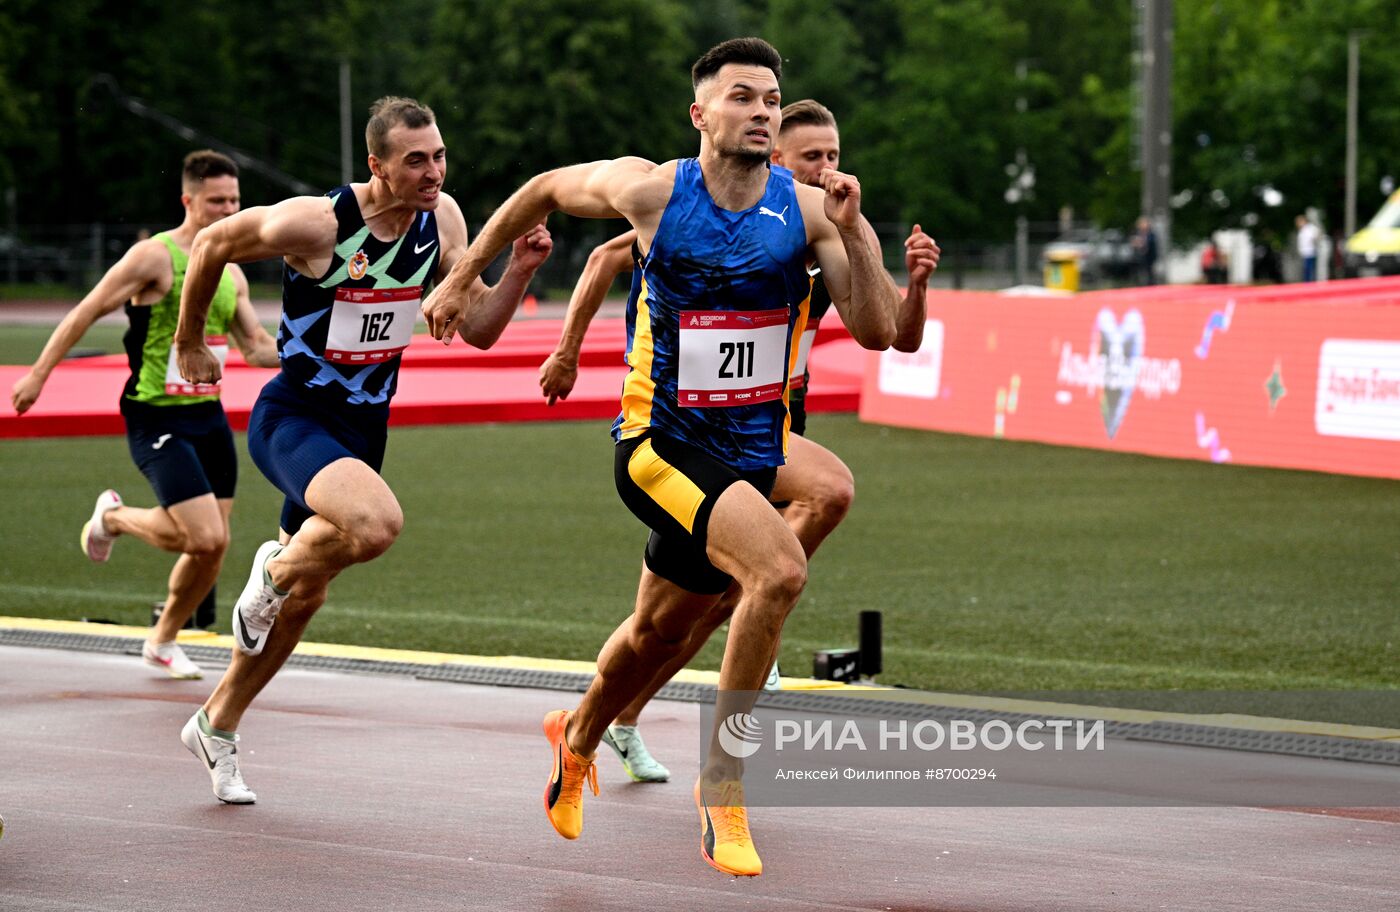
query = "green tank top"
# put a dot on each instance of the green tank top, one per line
(149, 340)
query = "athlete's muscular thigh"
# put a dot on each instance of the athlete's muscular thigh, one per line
(666, 611)
(202, 523)
(812, 472)
(751, 542)
(352, 497)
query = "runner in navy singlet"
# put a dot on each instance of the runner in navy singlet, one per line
(356, 264)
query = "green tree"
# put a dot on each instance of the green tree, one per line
(933, 148)
(1260, 102)
(821, 52)
(519, 92)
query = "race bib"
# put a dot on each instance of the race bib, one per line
(797, 379)
(730, 358)
(371, 324)
(175, 385)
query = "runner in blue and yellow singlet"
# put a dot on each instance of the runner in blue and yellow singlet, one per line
(356, 264)
(814, 488)
(724, 240)
(177, 432)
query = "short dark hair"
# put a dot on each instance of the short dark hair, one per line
(752, 51)
(806, 113)
(387, 113)
(206, 163)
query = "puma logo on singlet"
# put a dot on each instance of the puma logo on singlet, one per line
(780, 216)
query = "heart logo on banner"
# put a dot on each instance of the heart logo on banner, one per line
(1121, 346)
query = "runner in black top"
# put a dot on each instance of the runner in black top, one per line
(356, 265)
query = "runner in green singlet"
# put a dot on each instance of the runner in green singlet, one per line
(177, 432)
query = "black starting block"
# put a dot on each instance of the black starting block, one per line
(836, 665)
(847, 665)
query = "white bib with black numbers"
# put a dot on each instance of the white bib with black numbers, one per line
(175, 385)
(804, 351)
(371, 324)
(730, 358)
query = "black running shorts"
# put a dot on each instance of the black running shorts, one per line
(797, 411)
(184, 451)
(672, 487)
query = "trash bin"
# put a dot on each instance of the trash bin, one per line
(1062, 270)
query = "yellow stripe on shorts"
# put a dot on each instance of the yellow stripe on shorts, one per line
(664, 483)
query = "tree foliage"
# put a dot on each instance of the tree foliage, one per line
(935, 97)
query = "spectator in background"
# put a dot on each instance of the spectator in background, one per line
(1308, 236)
(1215, 265)
(1267, 265)
(1145, 247)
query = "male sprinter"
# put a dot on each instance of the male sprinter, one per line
(177, 431)
(814, 488)
(356, 263)
(724, 242)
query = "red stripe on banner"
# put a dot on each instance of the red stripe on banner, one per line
(358, 357)
(378, 295)
(732, 319)
(729, 398)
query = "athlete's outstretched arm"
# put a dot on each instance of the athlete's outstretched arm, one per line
(302, 227)
(861, 290)
(257, 345)
(490, 308)
(141, 267)
(921, 256)
(603, 189)
(608, 260)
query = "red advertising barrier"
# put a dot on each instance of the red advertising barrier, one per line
(1301, 377)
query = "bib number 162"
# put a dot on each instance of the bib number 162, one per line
(738, 360)
(374, 327)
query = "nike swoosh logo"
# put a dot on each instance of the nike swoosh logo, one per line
(204, 750)
(160, 442)
(243, 636)
(709, 833)
(417, 249)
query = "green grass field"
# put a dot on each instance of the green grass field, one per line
(998, 565)
(21, 343)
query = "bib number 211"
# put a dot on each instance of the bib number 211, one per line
(740, 356)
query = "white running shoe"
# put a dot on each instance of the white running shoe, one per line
(171, 658)
(775, 679)
(221, 756)
(96, 541)
(626, 741)
(257, 607)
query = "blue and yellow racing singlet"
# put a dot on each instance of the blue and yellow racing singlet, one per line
(342, 335)
(817, 304)
(710, 322)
